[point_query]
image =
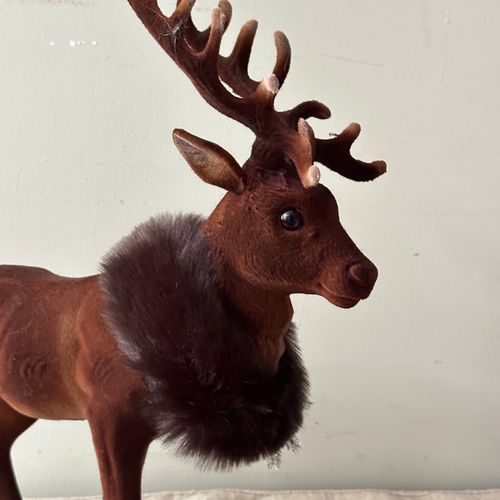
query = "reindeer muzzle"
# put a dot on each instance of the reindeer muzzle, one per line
(347, 288)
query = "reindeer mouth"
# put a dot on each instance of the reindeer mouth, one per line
(337, 300)
(344, 302)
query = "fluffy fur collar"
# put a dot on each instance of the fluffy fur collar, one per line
(207, 393)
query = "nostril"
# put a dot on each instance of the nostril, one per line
(362, 277)
(361, 272)
(356, 272)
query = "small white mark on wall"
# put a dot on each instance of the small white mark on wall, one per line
(76, 43)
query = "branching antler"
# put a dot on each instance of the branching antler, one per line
(252, 103)
(335, 154)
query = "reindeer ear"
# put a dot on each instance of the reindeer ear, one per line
(210, 162)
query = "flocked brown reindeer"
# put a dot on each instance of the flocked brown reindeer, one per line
(186, 334)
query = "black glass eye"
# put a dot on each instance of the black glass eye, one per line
(292, 220)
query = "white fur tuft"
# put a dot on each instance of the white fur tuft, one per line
(312, 177)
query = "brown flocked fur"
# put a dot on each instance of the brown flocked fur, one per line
(187, 335)
(208, 391)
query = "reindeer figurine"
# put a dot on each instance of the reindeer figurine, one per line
(186, 334)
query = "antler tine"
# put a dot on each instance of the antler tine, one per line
(283, 56)
(304, 155)
(210, 54)
(305, 110)
(198, 39)
(182, 11)
(227, 11)
(335, 154)
(164, 29)
(234, 68)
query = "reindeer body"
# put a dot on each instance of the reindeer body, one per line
(39, 308)
(55, 350)
(186, 334)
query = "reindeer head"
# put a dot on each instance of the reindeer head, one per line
(277, 227)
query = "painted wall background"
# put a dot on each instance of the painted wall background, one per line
(406, 385)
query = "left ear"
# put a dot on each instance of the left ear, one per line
(210, 162)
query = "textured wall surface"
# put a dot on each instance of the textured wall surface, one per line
(406, 386)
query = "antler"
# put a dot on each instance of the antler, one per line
(197, 54)
(252, 104)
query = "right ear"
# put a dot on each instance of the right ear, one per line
(210, 162)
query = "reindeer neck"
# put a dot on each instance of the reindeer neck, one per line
(266, 315)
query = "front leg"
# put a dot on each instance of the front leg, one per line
(12, 424)
(121, 443)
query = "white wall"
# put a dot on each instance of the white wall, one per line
(405, 385)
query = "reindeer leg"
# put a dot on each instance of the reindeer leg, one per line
(121, 443)
(12, 424)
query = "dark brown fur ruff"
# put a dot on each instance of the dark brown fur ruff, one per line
(207, 390)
